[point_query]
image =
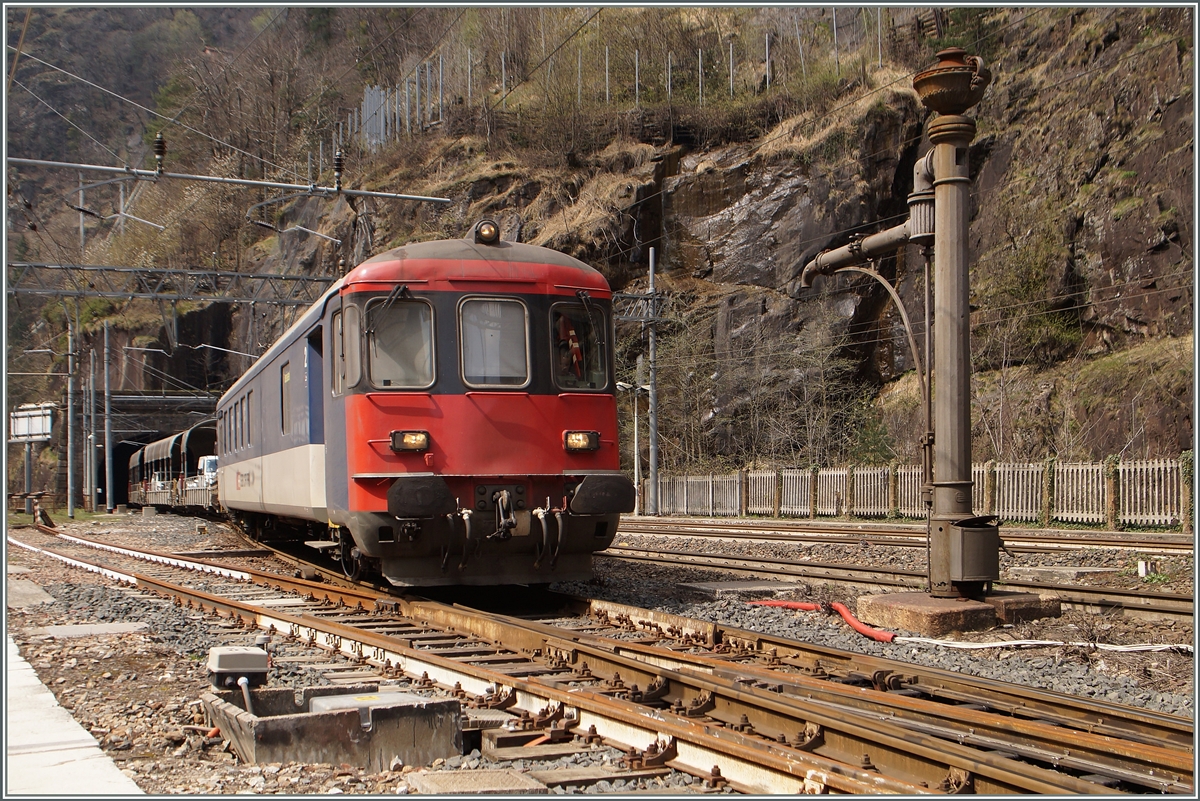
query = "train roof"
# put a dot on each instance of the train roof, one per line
(465, 259)
(443, 260)
(203, 432)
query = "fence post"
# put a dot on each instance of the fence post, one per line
(812, 492)
(710, 494)
(1047, 492)
(1112, 492)
(743, 492)
(989, 487)
(1187, 498)
(893, 490)
(778, 493)
(850, 508)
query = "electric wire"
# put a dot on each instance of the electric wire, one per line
(737, 354)
(750, 149)
(154, 113)
(68, 121)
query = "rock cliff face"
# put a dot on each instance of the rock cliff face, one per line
(1080, 234)
(1081, 240)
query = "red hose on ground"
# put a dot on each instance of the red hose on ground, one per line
(855, 623)
(800, 605)
(860, 627)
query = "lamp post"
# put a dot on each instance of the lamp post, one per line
(636, 392)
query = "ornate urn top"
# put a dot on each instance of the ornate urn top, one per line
(954, 84)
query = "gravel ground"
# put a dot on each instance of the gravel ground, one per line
(137, 692)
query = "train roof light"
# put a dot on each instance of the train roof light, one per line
(487, 233)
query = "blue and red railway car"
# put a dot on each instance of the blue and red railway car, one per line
(444, 414)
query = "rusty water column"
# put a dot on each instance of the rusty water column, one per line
(963, 550)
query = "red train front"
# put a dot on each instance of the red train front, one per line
(468, 422)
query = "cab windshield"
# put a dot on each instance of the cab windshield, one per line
(400, 344)
(579, 359)
(495, 351)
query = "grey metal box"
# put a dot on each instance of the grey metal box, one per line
(975, 550)
(227, 663)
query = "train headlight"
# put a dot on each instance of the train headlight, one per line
(581, 440)
(410, 440)
(487, 233)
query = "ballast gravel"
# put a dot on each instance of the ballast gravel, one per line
(138, 692)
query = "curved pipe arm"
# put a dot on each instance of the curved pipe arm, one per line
(865, 249)
(912, 342)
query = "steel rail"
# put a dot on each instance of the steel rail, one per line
(1137, 603)
(843, 731)
(743, 761)
(1058, 709)
(898, 535)
(746, 760)
(1152, 764)
(1145, 761)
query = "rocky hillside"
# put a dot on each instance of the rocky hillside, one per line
(1081, 240)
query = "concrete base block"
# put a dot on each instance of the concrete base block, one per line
(1056, 575)
(22, 593)
(924, 614)
(475, 782)
(90, 629)
(742, 589)
(364, 727)
(149, 511)
(1017, 607)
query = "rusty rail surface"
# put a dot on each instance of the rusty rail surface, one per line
(1140, 603)
(901, 535)
(845, 739)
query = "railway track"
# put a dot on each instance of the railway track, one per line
(899, 535)
(1136, 603)
(760, 714)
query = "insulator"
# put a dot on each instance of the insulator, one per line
(339, 163)
(160, 146)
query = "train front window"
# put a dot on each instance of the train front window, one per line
(579, 360)
(400, 344)
(495, 350)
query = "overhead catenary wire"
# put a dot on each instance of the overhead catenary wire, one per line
(760, 144)
(739, 353)
(151, 111)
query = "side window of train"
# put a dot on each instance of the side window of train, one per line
(495, 347)
(575, 338)
(352, 345)
(285, 397)
(337, 376)
(249, 417)
(400, 344)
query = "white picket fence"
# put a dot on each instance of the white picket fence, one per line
(1079, 492)
(796, 500)
(1151, 492)
(872, 491)
(1141, 492)
(1018, 491)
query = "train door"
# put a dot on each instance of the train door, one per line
(337, 471)
(315, 386)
